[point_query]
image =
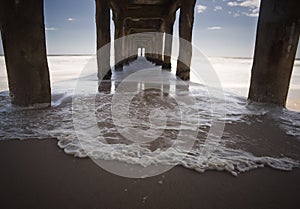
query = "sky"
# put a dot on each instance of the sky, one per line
(222, 27)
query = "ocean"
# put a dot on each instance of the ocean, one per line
(145, 117)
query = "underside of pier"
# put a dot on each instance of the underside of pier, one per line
(142, 16)
(23, 36)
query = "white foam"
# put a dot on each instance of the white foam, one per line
(57, 122)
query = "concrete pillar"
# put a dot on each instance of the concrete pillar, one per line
(2, 12)
(134, 50)
(275, 50)
(151, 50)
(148, 54)
(23, 36)
(103, 38)
(118, 45)
(169, 24)
(126, 45)
(159, 48)
(129, 50)
(186, 22)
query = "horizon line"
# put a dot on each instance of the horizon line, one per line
(235, 57)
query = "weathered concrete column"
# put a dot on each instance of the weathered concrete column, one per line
(103, 38)
(124, 45)
(23, 35)
(118, 45)
(147, 53)
(2, 12)
(129, 49)
(151, 50)
(186, 22)
(134, 49)
(169, 25)
(126, 48)
(275, 50)
(159, 48)
(158, 59)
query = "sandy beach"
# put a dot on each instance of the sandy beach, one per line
(162, 104)
(37, 174)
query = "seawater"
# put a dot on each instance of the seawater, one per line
(58, 122)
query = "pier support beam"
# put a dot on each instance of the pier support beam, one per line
(103, 38)
(23, 36)
(127, 48)
(159, 48)
(125, 53)
(2, 12)
(186, 22)
(132, 52)
(150, 51)
(169, 24)
(118, 45)
(275, 50)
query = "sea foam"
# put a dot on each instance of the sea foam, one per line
(233, 153)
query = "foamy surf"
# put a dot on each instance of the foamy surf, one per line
(235, 153)
(56, 122)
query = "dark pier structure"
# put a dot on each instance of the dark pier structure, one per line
(23, 34)
(141, 16)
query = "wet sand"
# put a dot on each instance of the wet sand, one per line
(36, 174)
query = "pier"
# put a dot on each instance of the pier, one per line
(23, 36)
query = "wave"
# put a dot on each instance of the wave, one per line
(234, 153)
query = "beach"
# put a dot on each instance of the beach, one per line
(164, 104)
(36, 174)
(254, 165)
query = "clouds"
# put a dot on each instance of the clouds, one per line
(250, 3)
(217, 8)
(244, 3)
(234, 14)
(70, 19)
(51, 29)
(201, 8)
(252, 13)
(234, 8)
(214, 28)
(251, 6)
(232, 4)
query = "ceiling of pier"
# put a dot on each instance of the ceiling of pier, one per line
(143, 15)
